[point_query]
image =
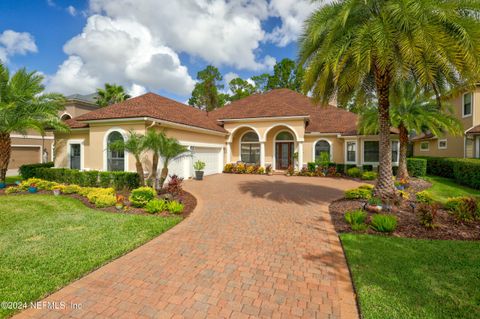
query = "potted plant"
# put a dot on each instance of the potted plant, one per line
(198, 166)
(32, 188)
(268, 170)
(3, 184)
(120, 200)
(56, 191)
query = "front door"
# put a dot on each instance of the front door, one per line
(75, 156)
(283, 155)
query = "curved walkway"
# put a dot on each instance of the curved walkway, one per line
(256, 246)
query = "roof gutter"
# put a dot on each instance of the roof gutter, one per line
(263, 119)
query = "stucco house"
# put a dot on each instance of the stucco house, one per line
(34, 148)
(264, 129)
(466, 108)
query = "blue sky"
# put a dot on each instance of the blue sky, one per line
(152, 45)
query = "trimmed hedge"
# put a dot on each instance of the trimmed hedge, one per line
(367, 168)
(417, 167)
(463, 171)
(28, 171)
(117, 180)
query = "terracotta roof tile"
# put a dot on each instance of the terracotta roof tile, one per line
(474, 130)
(75, 124)
(157, 107)
(423, 136)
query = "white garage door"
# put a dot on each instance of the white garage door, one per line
(211, 156)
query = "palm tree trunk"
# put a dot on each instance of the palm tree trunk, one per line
(164, 173)
(385, 187)
(139, 167)
(5, 150)
(402, 165)
(153, 174)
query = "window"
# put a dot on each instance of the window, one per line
(467, 104)
(424, 146)
(371, 152)
(75, 156)
(65, 117)
(322, 147)
(284, 136)
(250, 148)
(395, 151)
(442, 144)
(115, 159)
(351, 152)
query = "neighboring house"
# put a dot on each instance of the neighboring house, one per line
(33, 148)
(260, 129)
(467, 109)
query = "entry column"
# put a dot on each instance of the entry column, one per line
(229, 152)
(262, 154)
(300, 155)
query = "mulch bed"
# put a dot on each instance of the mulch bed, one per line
(185, 198)
(447, 227)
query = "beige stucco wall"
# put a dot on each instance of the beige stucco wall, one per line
(336, 148)
(61, 142)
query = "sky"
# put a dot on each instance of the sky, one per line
(147, 45)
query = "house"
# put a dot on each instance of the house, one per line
(466, 109)
(264, 129)
(34, 148)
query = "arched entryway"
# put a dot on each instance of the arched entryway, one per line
(284, 150)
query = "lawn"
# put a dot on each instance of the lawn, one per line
(409, 278)
(443, 188)
(47, 242)
(12, 179)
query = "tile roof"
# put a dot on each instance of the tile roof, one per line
(75, 124)
(474, 130)
(423, 136)
(157, 107)
(284, 103)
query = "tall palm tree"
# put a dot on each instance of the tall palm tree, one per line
(111, 94)
(135, 145)
(351, 48)
(171, 149)
(24, 106)
(412, 110)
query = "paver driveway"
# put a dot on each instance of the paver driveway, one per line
(256, 246)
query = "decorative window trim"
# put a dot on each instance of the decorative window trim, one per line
(443, 147)
(471, 105)
(394, 162)
(105, 148)
(424, 149)
(240, 143)
(346, 151)
(315, 144)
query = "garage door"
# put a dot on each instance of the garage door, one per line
(24, 155)
(211, 156)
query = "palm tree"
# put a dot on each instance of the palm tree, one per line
(412, 110)
(135, 145)
(171, 149)
(154, 142)
(111, 94)
(351, 48)
(24, 106)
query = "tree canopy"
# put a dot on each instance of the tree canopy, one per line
(111, 94)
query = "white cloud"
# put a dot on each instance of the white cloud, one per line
(136, 90)
(228, 77)
(12, 43)
(292, 13)
(119, 51)
(72, 11)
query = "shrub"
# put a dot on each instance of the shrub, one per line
(404, 195)
(375, 201)
(394, 170)
(94, 194)
(250, 169)
(119, 180)
(102, 201)
(141, 196)
(12, 190)
(359, 227)
(261, 170)
(440, 166)
(354, 172)
(156, 206)
(228, 168)
(340, 168)
(367, 168)
(104, 179)
(369, 176)
(174, 185)
(71, 189)
(290, 171)
(384, 223)
(29, 170)
(175, 207)
(311, 166)
(358, 193)
(355, 217)
(464, 209)
(467, 172)
(367, 186)
(417, 167)
(424, 197)
(427, 214)
(240, 168)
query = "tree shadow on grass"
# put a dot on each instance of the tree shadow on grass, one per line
(290, 192)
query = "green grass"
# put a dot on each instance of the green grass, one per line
(47, 242)
(408, 278)
(12, 179)
(444, 188)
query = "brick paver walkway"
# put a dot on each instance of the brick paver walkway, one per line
(256, 246)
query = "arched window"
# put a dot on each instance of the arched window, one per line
(284, 136)
(322, 147)
(250, 148)
(65, 117)
(115, 159)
